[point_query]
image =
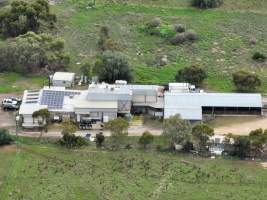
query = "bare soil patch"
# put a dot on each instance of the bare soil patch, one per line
(9, 148)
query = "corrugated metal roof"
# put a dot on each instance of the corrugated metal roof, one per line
(63, 76)
(180, 103)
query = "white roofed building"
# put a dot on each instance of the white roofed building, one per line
(63, 79)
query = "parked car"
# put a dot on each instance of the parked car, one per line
(11, 103)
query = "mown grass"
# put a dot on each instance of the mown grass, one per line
(223, 45)
(45, 171)
(13, 82)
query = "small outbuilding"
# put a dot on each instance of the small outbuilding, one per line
(63, 79)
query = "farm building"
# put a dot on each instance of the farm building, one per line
(63, 79)
(193, 104)
(103, 102)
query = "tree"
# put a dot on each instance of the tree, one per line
(112, 66)
(246, 81)
(146, 139)
(194, 75)
(105, 42)
(176, 131)
(258, 139)
(22, 17)
(201, 134)
(69, 139)
(43, 116)
(33, 54)
(86, 69)
(5, 137)
(242, 146)
(204, 4)
(99, 139)
(119, 131)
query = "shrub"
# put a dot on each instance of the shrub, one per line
(5, 137)
(253, 40)
(179, 28)
(146, 139)
(259, 57)
(191, 36)
(246, 81)
(100, 138)
(194, 75)
(204, 4)
(154, 23)
(178, 39)
(70, 140)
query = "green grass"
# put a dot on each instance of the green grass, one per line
(223, 46)
(12, 82)
(45, 171)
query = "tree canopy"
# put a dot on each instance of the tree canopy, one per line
(246, 81)
(112, 66)
(176, 130)
(201, 134)
(33, 54)
(23, 16)
(194, 75)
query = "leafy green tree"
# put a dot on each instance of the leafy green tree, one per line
(23, 16)
(176, 131)
(242, 146)
(86, 69)
(33, 54)
(246, 81)
(43, 116)
(194, 75)
(5, 137)
(146, 139)
(119, 131)
(112, 66)
(201, 134)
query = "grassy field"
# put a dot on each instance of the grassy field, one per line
(44, 171)
(12, 82)
(223, 45)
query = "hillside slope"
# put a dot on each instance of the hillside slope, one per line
(222, 48)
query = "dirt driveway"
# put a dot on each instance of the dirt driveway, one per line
(240, 125)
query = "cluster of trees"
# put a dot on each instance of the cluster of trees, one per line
(249, 146)
(33, 53)
(5, 137)
(179, 133)
(23, 16)
(204, 4)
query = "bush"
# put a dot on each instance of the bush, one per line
(194, 75)
(33, 54)
(100, 138)
(246, 81)
(5, 137)
(112, 66)
(259, 57)
(154, 23)
(178, 39)
(191, 36)
(22, 17)
(204, 4)
(179, 28)
(70, 140)
(146, 139)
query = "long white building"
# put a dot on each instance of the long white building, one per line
(104, 102)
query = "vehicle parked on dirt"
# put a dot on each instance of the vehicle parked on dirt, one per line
(11, 103)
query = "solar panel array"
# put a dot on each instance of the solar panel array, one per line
(54, 99)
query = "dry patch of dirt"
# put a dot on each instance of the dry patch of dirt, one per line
(9, 148)
(264, 165)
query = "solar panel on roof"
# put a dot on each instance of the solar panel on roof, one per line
(54, 99)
